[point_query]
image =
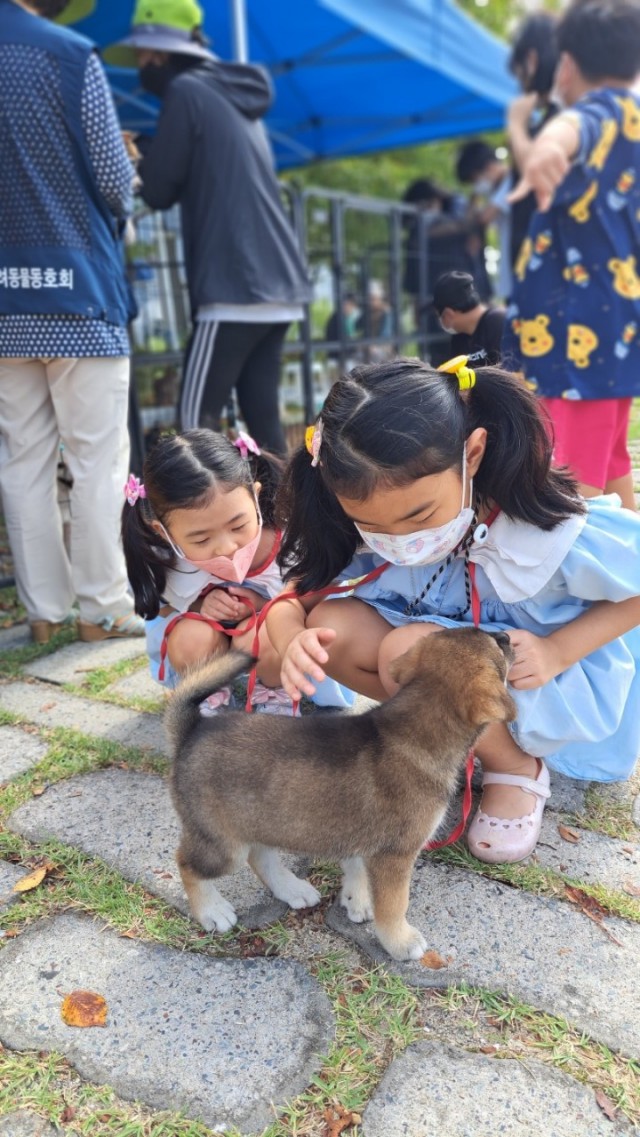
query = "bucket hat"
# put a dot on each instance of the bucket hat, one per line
(161, 25)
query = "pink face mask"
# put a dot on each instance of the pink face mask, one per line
(232, 569)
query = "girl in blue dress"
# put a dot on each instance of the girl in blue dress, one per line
(447, 476)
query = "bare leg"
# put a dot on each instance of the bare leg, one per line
(193, 641)
(623, 487)
(353, 655)
(285, 885)
(390, 879)
(499, 753)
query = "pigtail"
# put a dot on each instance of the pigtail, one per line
(516, 471)
(147, 558)
(319, 539)
(268, 469)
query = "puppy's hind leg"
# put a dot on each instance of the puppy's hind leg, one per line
(207, 904)
(355, 894)
(390, 877)
(285, 885)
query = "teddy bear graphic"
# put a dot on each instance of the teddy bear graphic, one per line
(626, 281)
(534, 338)
(581, 342)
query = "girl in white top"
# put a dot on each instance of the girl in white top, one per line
(199, 537)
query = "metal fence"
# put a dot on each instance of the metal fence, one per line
(356, 250)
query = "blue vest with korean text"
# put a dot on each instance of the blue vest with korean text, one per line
(60, 252)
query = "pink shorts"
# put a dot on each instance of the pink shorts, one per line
(590, 436)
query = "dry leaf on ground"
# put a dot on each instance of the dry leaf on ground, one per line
(33, 879)
(631, 888)
(591, 908)
(84, 1008)
(338, 1119)
(434, 961)
(606, 1105)
(569, 835)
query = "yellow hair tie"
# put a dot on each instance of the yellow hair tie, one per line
(466, 376)
(313, 441)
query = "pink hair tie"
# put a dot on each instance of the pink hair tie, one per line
(245, 444)
(134, 489)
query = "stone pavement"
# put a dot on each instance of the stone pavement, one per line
(229, 1041)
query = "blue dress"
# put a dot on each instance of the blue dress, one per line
(585, 722)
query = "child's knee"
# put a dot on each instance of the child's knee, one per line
(191, 642)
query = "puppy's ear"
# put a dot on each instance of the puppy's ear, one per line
(405, 667)
(488, 700)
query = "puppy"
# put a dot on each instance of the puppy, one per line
(367, 789)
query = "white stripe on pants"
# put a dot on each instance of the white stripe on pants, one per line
(195, 377)
(84, 402)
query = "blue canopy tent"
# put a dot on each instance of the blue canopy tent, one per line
(351, 76)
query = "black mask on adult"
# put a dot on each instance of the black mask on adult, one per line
(155, 77)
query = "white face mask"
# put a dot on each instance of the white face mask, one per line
(449, 331)
(426, 546)
(483, 186)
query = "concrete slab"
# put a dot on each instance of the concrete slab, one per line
(27, 1124)
(127, 819)
(19, 751)
(72, 663)
(545, 952)
(594, 858)
(18, 635)
(49, 707)
(227, 1041)
(140, 685)
(9, 875)
(438, 1091)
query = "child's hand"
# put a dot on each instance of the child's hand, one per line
(303, 657)
(537, 660)
(257, 601)
(219, 604)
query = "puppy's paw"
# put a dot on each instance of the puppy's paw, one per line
(299, 893)
(410, 945)
(217, 915)
(357, 901)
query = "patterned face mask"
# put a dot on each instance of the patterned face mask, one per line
(425, 546)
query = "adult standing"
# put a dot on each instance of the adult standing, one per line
(65, 192)
(210, 154)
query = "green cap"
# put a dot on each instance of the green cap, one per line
(160, 25)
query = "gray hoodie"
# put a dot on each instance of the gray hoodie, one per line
(211, 154)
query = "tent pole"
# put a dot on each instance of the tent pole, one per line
(239, 28)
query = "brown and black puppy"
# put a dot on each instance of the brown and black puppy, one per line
(367, 789)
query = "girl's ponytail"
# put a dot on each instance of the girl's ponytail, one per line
(319, 539)
(516, 471)
(147, 564)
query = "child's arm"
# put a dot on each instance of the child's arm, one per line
(300, 648)
(541, 658)
(549, 160)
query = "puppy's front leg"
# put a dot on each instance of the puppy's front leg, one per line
(209, 907)
(390, 878)
(355, 894)
(285, 885)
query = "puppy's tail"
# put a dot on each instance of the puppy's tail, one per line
(183, 713)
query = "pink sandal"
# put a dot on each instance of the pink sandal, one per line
(498, 840)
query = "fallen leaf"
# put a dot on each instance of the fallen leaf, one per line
(628, 849)
(490, 1048)
(37, 791)
(591, 908)
(33, 879)
(631, 889)
(47, 706)
(433, 960)
(565, 951)
(606, 1105)
(84, 1008)
(338, 1119)
(67, 1114)
(569, 835)
(11, 933)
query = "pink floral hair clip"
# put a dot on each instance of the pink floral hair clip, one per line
(245, 444)
(313, 441)
(134, 489)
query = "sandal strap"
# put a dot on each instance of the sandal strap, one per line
(529, 785)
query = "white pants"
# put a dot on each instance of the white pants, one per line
(84, 403)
